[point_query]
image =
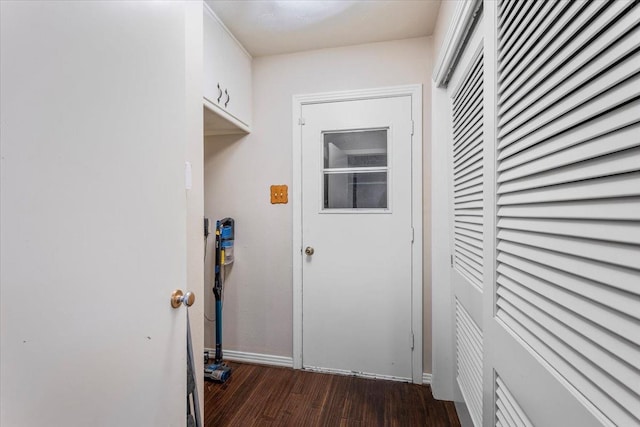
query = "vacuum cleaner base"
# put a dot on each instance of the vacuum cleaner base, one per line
(218, 372)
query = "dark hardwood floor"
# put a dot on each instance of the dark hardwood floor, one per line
(270, 396)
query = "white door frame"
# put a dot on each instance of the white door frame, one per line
(415, 92)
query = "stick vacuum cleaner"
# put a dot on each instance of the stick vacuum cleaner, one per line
(218, 371)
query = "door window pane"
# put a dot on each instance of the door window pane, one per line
(355, 190)
(356, 170)
(355, 149)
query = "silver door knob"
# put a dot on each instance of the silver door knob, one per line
(309, 251)
(178, 298)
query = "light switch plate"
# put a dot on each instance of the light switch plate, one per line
(279, 194)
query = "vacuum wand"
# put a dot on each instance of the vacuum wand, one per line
(217, 292)
(224, 237)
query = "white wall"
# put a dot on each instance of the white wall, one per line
(239, 170)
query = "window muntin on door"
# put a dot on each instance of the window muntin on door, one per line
(355, 172)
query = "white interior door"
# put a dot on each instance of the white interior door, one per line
(356, 218)
(93, 213)
(562, 324)
(466, 155)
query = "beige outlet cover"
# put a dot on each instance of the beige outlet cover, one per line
(279, 194)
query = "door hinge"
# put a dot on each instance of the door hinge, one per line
(451, 260)
(301, 121)
(412, 127)
(413, 341)
(413, 234)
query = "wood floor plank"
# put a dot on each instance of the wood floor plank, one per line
(332, 412)
(374, 404)
(392, 406)
(355, 400)
(271, 396)
(229, 402)
(256, 401)
(282, 381)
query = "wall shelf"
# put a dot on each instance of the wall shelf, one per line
(219, 122)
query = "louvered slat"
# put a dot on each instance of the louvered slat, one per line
(470, 182)
(472, 145)
(466, 252)
(627, 209)
(568, 198)
(467, 104)
(617, 163)
(623, 139)
(525, 62)
(624, 279)
(469, 237)
(618, 231)
(568, 117)
(627, 185)
(584, 71)
(580, 287)
(471, 165)
(604, 251)
(531, 26)
(509, 23)
(509, 411)
(565, 39)
(463, 265)
(469, 361)
(611, 122)
(567, 306)
(468, 96)
(523, 19)
(473, 138)
(462, 219)
(475, 189)
(467, 241)
(505, 10)
(469, 117)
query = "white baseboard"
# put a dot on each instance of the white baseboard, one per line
(257, 358)
(426, 379)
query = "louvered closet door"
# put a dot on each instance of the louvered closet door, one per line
(567, 279)
(467, 124)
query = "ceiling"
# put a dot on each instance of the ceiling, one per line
(270, 27)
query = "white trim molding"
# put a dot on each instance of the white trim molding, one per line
(257, 358)
(415, 92)
(464, 17)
